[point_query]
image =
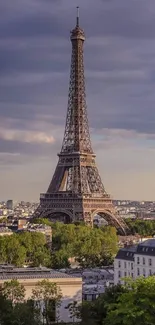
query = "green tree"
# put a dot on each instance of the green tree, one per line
(141, 227)
(41, 256)
(136, 305)
(34, 244)
(20, 313)
(96, 246)
(95, 312)
(42, 221)
(3, 253)
(5, 310)
(13, 291)
(25, 313)
(91, 247)
(60, 259)
(47, 296)
(12, 247)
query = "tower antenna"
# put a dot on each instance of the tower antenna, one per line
(77, 17)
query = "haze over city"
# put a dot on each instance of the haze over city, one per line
(119, 68)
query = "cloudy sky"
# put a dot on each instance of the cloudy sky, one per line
(120, 80)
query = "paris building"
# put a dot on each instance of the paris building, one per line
(134, 261)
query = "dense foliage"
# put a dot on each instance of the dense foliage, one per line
(25, 247)
(141, 227)
(133, 303)
(90, 247)
(136, 305)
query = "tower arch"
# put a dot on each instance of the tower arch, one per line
(111, 219)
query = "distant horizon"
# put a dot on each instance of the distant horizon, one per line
(37, 202)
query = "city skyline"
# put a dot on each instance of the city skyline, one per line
(119, 63)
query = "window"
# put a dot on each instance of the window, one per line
(119, 274)
(138, 271)
(125, 265)
(119, 263)
(84, 297)
(125, 274)
(132, 275)
(143, 272)
(94, 297)
(89, 297)
(150, 261)
(131, 266)
(50, 311)
(138, 260)
(143, 260)
(150, 272)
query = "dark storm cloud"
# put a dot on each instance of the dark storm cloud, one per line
(133, 19)
(35, 59)
(19, 148)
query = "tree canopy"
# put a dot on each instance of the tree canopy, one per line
(25, 248)
(91, 247)
(128, 304)
(136, 305)
(141, 227)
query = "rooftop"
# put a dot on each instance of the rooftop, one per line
(148, 243)
(11, 272)
(147, 247)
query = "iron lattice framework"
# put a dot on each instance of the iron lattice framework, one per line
(76, 191)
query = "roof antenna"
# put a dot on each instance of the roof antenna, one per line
(77, 17)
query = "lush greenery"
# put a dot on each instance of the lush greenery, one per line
(130, 304)
(90, 247)
(15, 310)
(141, 227)
(25, 247)
(133, 303)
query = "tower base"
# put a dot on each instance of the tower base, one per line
(70, 207)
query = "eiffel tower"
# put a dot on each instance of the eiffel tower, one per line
(76, 192)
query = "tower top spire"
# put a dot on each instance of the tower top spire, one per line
(77, 17)
(77, 33)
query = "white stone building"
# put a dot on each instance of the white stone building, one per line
(71, 286)
(134, 261)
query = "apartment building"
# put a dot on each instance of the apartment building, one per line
(134, 261)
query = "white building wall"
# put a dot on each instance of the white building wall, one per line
(71, 289)
(144, 265)
(122, 269)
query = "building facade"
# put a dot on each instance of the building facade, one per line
(71, 286)
(134, 261)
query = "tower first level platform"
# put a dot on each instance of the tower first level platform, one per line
(69, 207)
